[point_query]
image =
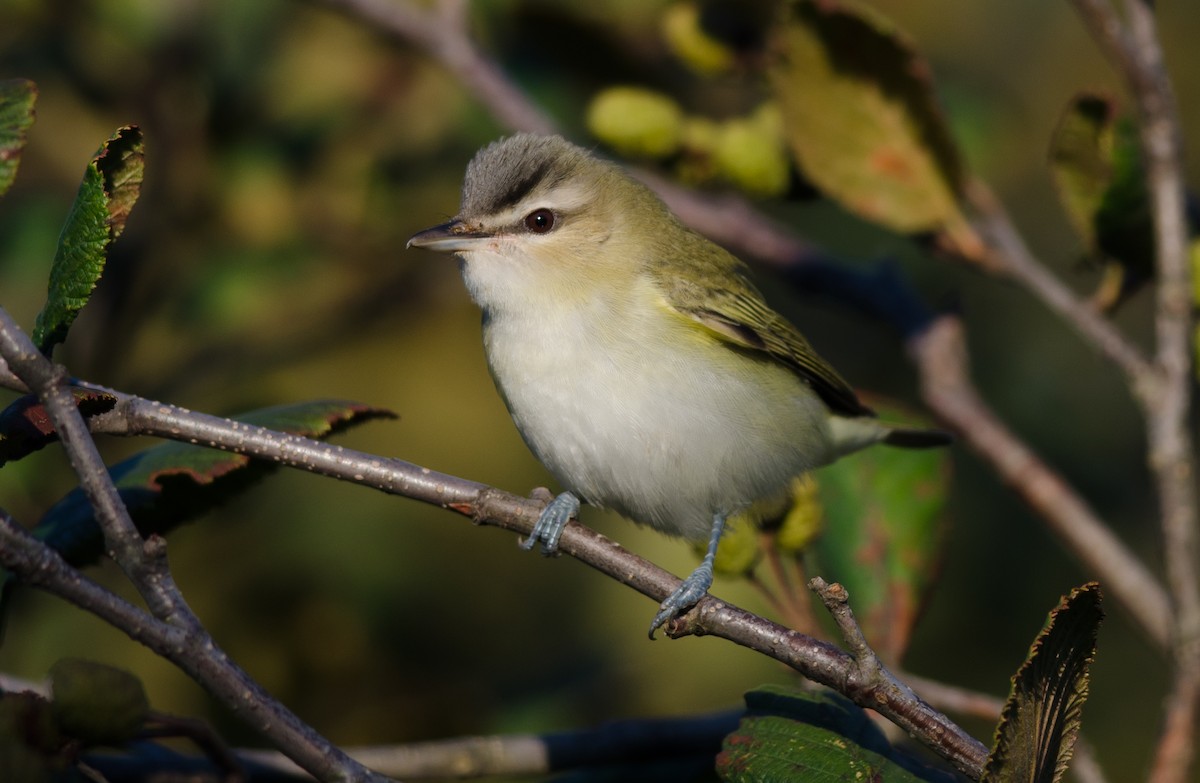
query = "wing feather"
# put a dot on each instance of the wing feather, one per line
(722, 298)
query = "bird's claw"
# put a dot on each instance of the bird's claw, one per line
(687, 595)
(549, 527)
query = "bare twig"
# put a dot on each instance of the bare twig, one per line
(1134, 50)
(871, 678)
(190, 646)
(611, 744)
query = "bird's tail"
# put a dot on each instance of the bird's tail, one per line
(904, 438)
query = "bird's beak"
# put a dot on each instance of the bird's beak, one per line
(453, 237)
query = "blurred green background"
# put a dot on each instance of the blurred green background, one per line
(291, 152)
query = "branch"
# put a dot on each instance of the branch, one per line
(816, 660)
(527, 755)
(1135, 52)
(868, 672)
(174, 631)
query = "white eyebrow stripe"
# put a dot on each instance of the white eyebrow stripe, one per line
(565, 198)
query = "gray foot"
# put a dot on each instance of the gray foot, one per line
(550, 524)
(695, 586)
(685, 596)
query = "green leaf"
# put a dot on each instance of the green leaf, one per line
(1097, 169)
(17, 97)
(818, 737)
(885, 524)
(1081, 160)
(97, 704)
(172, 483)
(110, 187)
(862, 122)
(25, 427)
(1040, 721)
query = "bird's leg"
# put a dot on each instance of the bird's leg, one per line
(695, 586)
(549, 527)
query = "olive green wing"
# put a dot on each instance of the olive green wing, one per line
(722, 298)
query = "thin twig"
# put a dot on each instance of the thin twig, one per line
(144, 562)
(1135, 51)
(870, 677)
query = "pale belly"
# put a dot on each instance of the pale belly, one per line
(667, 436)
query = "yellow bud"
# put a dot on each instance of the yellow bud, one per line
(752, 159)
(635, 121)
(768, 117)
(688, 41)
(804, 520)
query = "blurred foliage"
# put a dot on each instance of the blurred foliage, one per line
(884, 531)
(290, 152)
(1097, 168)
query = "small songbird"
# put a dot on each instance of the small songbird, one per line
(638, 360)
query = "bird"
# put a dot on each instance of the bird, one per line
(638, 360)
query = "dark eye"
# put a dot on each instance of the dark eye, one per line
(539, 221)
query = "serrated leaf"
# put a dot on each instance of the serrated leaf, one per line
(17, 97)
(1097, 169)
(172, 483)
(885, 525)
(1040, 720)
(819, 737)
(97, 704)
(110, 187)
(862, 122)
(25, 427)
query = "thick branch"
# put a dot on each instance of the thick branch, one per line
(814, 659)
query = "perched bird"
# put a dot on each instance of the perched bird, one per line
(638, 360)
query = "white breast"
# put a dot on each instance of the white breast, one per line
(667, 429)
